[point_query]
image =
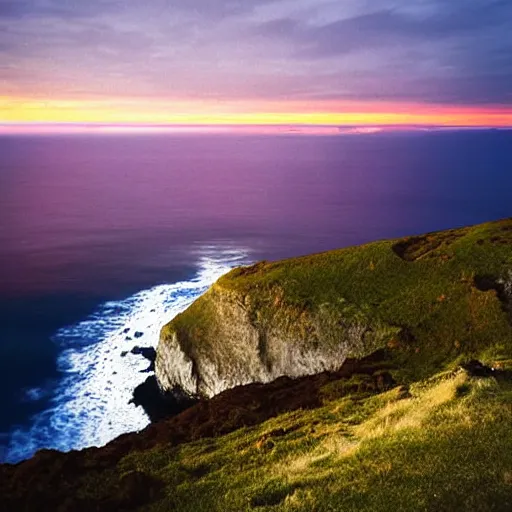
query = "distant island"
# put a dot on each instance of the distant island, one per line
(376, 377)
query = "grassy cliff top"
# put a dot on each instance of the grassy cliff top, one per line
(376, 272)
(443, 296)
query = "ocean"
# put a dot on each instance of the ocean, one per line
(105, 237)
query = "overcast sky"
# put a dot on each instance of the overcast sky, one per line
(455, 52)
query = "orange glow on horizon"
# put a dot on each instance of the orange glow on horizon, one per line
(209, 112)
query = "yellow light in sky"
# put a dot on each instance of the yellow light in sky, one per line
(202, 112)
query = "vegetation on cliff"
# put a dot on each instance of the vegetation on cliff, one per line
(443, 444)
(430, 300)
(415, 425)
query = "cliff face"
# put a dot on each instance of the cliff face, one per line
(425, 299)
(235, 341)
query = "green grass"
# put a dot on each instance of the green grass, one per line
(417, 296)
(434, 450)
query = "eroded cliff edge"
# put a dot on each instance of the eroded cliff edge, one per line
(305, 315)
(233, 341)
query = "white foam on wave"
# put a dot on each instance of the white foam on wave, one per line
(90, 405)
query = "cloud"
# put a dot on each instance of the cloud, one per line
(68, 9)
(12, 9)
(389, 27)
(452, 52)
(412, 50)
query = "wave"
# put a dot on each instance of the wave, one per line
(90, 405)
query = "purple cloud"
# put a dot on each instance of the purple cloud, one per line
(411, 50)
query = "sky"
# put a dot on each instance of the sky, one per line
(314, 62)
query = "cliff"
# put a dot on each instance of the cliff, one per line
(427, 299)
(232, 341)
(418, 424)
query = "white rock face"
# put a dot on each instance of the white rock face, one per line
(237, 349)
(182, 374)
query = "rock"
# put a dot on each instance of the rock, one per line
(156, 404)
(223, 341)
(477, 369)
(148, 353)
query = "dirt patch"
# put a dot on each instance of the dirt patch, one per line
(476, 368)
(429, 245)
(502, 287)
(248, 270)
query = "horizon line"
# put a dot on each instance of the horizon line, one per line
(34, 128)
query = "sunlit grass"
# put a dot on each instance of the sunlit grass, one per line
(435, 450)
